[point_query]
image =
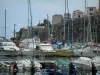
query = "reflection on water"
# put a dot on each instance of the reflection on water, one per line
(25, 73)
(84, 73)
(38, 73)
(9, 58)
(6, 58)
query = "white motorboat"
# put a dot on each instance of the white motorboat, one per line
(31, 42)
(96, 61)
(27, 64)
(83, 63)
(86, 52)
(46, 47)
(23, 65)
(8, 48)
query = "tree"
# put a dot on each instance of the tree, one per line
(46, 23)
(36, 31)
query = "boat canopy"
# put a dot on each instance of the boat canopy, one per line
(60, 63)
(83, 60)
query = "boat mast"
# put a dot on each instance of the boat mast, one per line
(14, 30)
(89, 30)
(38, 29)
(72, 30)
(84, 22)
(5, 23)
(64, 22)
(28, 20)
(68, 23)
(28, 30)
(48, 26)
(31, 25)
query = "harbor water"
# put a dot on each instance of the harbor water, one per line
(25, 73)
(6, 58)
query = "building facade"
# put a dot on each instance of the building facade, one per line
(99, 8)
(57, 19)
(77, 14)
(91, 11)
(40, 31)
(58, 22)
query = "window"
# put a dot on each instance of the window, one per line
(90, 14)
(0, 44)
(91, 9)
(62, 33)
(4, 44)
(78, 16)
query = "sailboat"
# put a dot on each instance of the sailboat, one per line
(28, 45)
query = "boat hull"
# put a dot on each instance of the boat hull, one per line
(6, 52)
(85, 54)
(83, 67)
(26, 53)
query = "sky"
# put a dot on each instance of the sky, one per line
(17, 11)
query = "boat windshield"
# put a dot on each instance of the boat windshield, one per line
(7, 44)
(10, 45)
(4, 40)
(4, 44)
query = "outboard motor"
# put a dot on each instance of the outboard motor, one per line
(72, 70)
(37, 47)
(32, 68)
(15, 69)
